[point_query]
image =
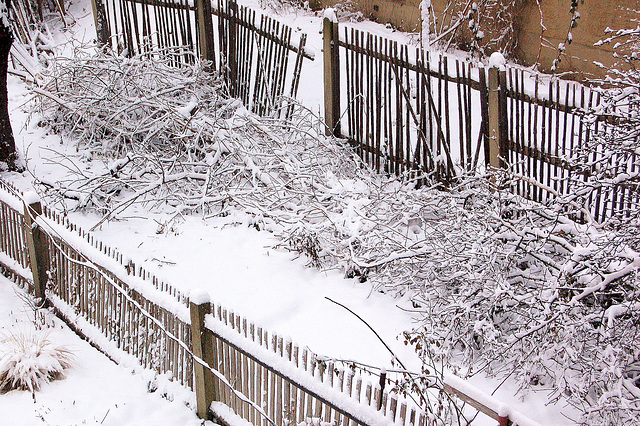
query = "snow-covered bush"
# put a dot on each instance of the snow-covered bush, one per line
(559, 310)
(29, 359)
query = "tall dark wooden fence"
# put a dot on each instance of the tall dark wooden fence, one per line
(261, 63)
(407, 111)
(548, 129)
(256, 58)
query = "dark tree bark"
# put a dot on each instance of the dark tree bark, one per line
(7, 142)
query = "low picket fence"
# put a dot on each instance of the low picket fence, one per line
(207, 348)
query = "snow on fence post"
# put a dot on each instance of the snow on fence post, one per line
(205, 30)
(330, 39)
(496, 111)
(205, 384)
(103, 31)
(36, 244)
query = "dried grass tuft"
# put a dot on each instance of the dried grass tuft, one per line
(29, 359)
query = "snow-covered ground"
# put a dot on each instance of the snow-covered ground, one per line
(94, 390)
(235, 263)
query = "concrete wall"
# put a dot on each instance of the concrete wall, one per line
(596, 16)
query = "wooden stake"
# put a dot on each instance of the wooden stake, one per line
(103, 31)
(205, 28)
(38, 248)
(331, 77)
(205, 386)
(494, 117)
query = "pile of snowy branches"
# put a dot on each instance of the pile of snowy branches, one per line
(502, 286)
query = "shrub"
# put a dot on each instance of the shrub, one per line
(30, 359)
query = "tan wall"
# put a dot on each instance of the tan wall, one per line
(402, 14)
(596, 16)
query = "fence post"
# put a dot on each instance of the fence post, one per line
(103, 32)
(232, 51)
(37, 245)
(204, 382)
(495, 115)
(205, 30)
(503, 420)
(331, 73)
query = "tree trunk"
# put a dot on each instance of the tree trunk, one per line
(7, 142)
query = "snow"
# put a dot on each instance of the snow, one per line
(497, 59)
(425, 15)
(94, 390)
(227, 415)
(330, 14)
(15, 266)
(12, 201)
(223, 259)
(199, 296)
(31, 197)
(188, 109)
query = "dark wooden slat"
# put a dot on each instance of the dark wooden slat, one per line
(409, 110)
(360, 94)
(443, 67)
(349, 82)
(389, 115)
(397, 149)
(369, 101)
(466, 75)
(379, 107)
(460, 113)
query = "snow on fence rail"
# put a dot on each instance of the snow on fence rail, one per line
(124, 309)
(259, 62)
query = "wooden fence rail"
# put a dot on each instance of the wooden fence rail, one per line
(207, 348)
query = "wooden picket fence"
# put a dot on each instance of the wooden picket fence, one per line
(408, 112)
(260, 63)
(545, 130)
(402, 114)
(264, 378)
(97, 289)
